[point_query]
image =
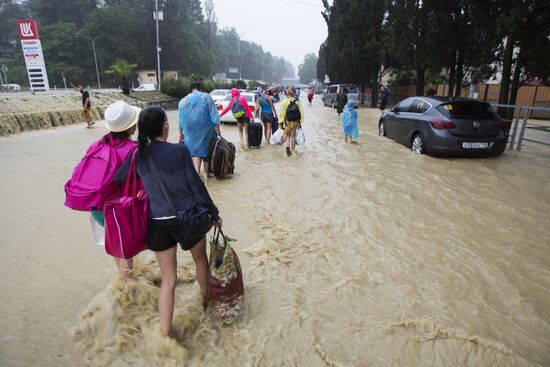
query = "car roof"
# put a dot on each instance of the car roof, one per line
(441, 99)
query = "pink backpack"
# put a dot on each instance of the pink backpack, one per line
(92, 182)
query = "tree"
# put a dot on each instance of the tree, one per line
(121, 68)
(307, 72)
(353, 50)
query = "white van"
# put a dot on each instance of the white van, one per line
(351, 90)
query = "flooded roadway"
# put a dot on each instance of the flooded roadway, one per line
(354, 255)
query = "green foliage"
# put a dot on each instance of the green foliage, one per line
(308, 70)
(179, 88)
(121, 68)
(125, 29)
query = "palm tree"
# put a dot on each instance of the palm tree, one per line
(123, 69)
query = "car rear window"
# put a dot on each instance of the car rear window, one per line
(351, 90)
(474, 110)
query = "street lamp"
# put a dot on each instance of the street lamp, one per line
(95, 58)
(242, 34)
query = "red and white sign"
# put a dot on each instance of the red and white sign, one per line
(28, 29)
(34, 58)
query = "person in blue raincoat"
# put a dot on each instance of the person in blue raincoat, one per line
(199, 123)
(349, 123)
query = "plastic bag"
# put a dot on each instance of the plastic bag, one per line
(278, 137)
(98, 232)
(300, 137)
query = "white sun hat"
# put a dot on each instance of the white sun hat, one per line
(120, 116)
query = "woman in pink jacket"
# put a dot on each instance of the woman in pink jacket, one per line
(241, 111)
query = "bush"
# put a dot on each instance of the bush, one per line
(177, 88)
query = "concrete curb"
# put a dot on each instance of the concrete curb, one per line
(20, 122)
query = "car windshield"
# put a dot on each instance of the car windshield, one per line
(351, 89)
(467, 109)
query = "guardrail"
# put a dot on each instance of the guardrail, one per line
(522, 114)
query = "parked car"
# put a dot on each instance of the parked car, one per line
(228, 117)
(219, 94)
(145, 88)
(446, 126)
(351, 90)
(10, 87)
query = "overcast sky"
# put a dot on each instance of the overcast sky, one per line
(288, 28)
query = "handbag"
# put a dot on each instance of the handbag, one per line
(225, 279)
(194, 219)
(126, 219)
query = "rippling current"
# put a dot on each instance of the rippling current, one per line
(353, 255)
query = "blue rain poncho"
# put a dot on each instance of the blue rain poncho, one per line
(349, 121)
(198, 115)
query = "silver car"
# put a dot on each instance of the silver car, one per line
(351, 90)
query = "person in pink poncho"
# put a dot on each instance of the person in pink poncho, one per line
(241, 111)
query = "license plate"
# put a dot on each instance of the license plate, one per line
(475, 145)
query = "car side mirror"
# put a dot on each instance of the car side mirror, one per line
(394, 110)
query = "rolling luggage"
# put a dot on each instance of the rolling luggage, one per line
(221, 158)
(255, 132)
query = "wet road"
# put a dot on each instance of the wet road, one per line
(353, 255)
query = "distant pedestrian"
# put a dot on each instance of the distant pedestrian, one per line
(241, 111)
(268, 113)
(431, 90)
(181, 210)
(349, 123)
(310, 95)
(86, 105)
(292, 118)
(341, 101)
(384, 95)
(199, 124)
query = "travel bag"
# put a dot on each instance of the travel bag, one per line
(225, 279)
(221, 158)
(126, 219)
(275, 125)
(255, 132)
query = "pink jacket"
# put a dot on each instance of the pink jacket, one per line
(235, 94)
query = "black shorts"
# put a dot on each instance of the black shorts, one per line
(243, 120)
(165, 233)
(267, 117)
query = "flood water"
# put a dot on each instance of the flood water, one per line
(353, 255)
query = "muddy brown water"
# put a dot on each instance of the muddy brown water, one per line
(353, 255)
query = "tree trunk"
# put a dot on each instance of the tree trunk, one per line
(420, 76)
(459, 74)
(374, 95)
(452, 70)
(506, 70)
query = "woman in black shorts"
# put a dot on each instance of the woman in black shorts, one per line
(181, 210)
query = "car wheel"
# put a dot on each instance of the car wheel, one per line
(381, 129)
(417, 146)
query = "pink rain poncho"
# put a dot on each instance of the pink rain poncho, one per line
(237, 96)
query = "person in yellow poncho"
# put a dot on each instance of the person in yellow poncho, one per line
(291, 118)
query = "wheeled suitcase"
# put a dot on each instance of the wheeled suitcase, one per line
(255, 132)
(221, 158)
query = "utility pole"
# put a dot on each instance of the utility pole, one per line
(95, 58)
(242, 34)
(158, 16)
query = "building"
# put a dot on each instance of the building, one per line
(149, 76)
